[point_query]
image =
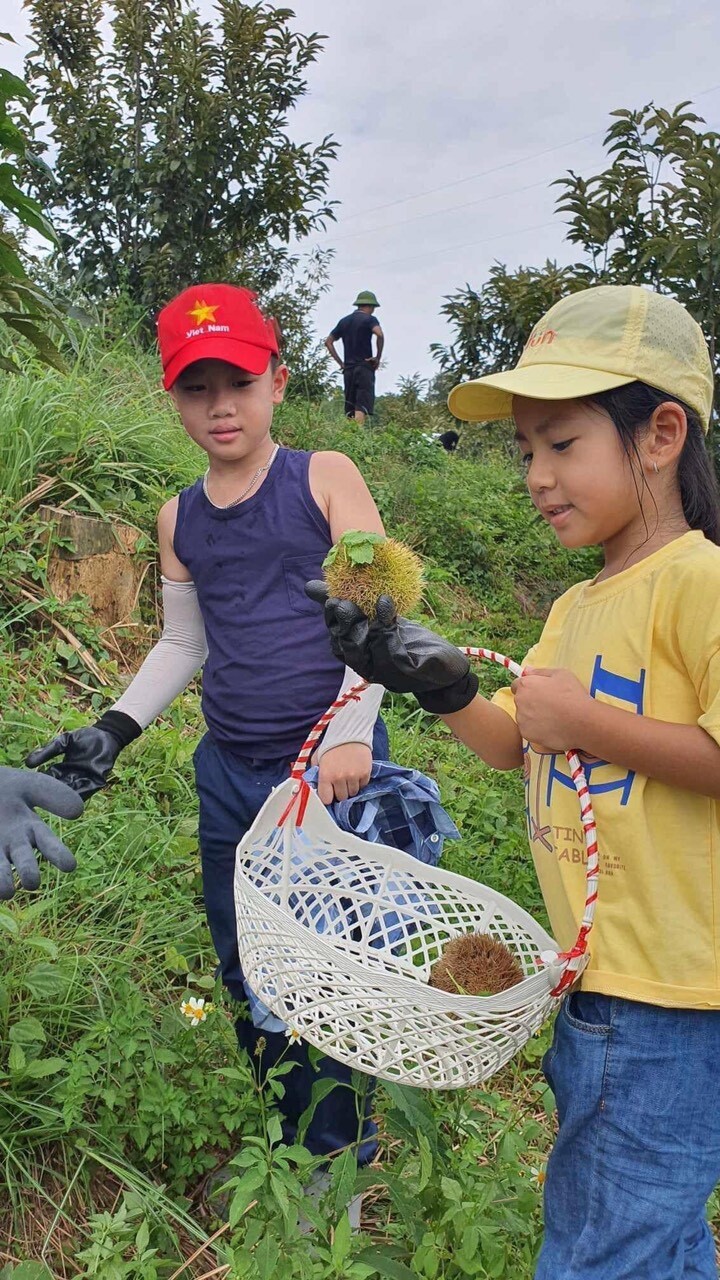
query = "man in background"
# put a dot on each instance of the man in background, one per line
(358, 364)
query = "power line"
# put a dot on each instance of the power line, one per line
(436, 213)
(509, 164)
(433, 253)
(701, 94)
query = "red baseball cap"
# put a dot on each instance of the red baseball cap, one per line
(214, 322)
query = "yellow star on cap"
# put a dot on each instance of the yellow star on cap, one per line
(202, 312)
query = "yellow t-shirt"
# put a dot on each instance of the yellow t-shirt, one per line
(648, 641)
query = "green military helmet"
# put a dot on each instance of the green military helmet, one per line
(366, 299)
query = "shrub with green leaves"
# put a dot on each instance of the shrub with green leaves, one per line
(114, 1108)
(25, 309)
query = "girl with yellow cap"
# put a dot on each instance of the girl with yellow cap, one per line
(611, 401)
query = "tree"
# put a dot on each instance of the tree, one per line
(172, 158)
(615, 215)
(652, 217)
(25, 308)
(292, 302)
(492, 324)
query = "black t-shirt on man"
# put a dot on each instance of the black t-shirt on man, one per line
(355, 331)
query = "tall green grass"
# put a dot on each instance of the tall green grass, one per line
(104, 432)
(112, 1109)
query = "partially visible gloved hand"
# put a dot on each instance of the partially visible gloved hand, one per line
(88, 754)
(22, 832)
(396, 653)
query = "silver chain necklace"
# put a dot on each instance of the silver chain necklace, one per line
(245, 492)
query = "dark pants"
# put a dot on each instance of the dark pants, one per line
(232, 790)
(359, 389)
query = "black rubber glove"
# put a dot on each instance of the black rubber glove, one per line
(401, 655)
(88, 754)
(22, 832)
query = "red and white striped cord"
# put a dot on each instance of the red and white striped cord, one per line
(350, 695)
(572, 959)
(298, 769)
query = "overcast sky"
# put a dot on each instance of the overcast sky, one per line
(454, 118)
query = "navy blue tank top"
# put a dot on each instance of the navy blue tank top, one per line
(270, 672)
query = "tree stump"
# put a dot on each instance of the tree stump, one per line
(100, 565)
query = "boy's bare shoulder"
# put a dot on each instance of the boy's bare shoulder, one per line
(170, 566)
(332, 472)
(341, 493)
(167, 515)
(330, 462)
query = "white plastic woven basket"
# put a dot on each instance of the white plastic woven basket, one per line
(337, 936)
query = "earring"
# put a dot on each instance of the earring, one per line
(656, 468)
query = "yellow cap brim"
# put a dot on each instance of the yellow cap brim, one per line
(490, 399)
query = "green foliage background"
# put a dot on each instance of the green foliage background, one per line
(173, 161)
(112, 1109)
(25, 309)
(651, 217)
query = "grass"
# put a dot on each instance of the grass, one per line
(113, 1110)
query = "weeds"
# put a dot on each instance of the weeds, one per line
(114, 1110)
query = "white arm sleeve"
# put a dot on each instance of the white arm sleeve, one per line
(356, 721)
(173, 661)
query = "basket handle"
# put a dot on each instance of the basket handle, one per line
(572, 961)
(350, 695)
(301, 789)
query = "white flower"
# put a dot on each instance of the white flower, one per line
(292, 1034)
(538, 1176)
(195, 1010)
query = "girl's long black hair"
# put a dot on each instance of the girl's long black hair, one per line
(630, 409)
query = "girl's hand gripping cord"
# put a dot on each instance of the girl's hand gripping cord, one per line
(400, 655)
(88, 754)
(553, 708)
(22, 833)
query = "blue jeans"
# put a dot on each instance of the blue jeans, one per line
(232, 790)
(638, 1152)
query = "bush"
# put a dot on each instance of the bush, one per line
(113, 1108)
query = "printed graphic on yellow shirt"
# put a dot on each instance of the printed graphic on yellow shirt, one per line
(645, 641)
(545, 772)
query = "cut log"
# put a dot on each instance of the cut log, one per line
(99, 565)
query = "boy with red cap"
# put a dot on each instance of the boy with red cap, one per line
(236, 548)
